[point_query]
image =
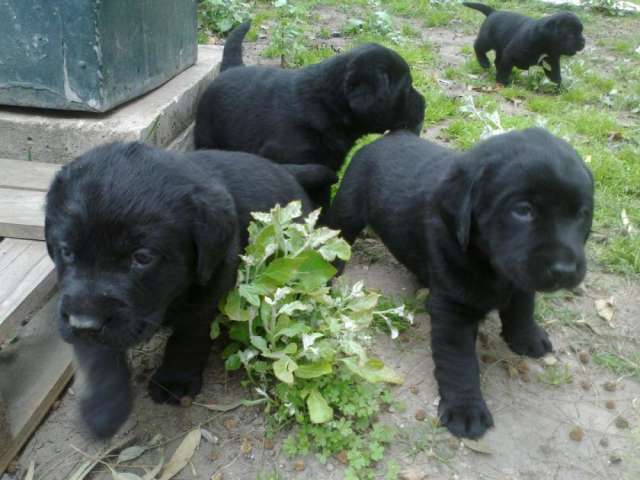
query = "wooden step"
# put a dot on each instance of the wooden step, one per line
(23, 188)
(27, 277)
(33, 372)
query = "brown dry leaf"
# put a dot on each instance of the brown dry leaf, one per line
(216, 476)
(477, 446)
(30, 471)
(412, 473)
(604, 307)
(183, 454)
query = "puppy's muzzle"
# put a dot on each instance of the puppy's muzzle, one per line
(564, 274)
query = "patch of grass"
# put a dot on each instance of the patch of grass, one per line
(218, 17)
(621, 363)
(556, 375)
(430, 438)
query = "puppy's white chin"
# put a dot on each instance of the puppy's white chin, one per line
(83, 322)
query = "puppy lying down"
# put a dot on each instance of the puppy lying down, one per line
(522, 42)
(484, 229)
(309, 115)
(143, 238)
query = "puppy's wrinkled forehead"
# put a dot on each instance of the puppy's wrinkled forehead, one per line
(537, 165)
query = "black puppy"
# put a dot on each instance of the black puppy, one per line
(484, 230)
(522, 42)
(143, 238)
(310, 115)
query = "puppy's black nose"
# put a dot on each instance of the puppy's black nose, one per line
(563, 271)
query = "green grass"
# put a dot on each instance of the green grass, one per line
(621, 363)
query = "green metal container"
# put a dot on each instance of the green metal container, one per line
(91, 55)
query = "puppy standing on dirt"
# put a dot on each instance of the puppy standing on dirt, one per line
(311, 115)
(484, 230)
(522, 42)
(143, 238)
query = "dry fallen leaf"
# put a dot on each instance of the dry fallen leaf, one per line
(131, 453)
(182, 455)
(626, 223)
(30, 471)
(153, 473)
(477, 446)
(604, 307)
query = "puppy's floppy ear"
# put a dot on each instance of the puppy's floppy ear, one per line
(367, 91)
(214, 226)
(54, 201)
(457, 197)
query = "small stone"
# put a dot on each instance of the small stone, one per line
(610, 404)
(576, 434)
(584, 357)
(298, 465)
(342, 457)
(523, 367)
(420, 415)
(622, 423)
(486, 358)
(546, 449)
(412, 473)
(330, 467)
(217, 476)
(186, 401)
(268, 444)
(585, 384)
(453, 443)
(230, 424)
(604, 442)
(610, 386)
(615, 459)
(336, 34)
(413, 389)
(246, 446)
(550, 360)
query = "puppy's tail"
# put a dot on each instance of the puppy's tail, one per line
(481, 7)
(232, 53)
(312, 176)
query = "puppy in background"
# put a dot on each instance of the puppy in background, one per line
(485, 229)
(312, 115)
(522, 42)
(143, 238)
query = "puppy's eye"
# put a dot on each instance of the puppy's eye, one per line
(523, 211)
(142, 258)
(66, 254)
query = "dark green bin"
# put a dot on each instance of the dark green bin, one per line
(91, 55)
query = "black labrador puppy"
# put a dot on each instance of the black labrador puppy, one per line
(311, 115)
(143, 238)
(484, 230)
(522, 42)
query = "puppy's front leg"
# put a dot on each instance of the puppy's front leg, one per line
(553, 73)
(107, 402)
(453, 341)
(185, 357)
(523, 335)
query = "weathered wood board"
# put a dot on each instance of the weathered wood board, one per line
(27, 277)
(33, 372)
(22, 214)
(21, 175)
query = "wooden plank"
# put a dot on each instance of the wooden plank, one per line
(21, 175)
(22, 214)
(27, 276)
(35, 370)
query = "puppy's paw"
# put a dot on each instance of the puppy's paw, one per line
(168, 386)
(532, 342)
(105, 412)
(469, 418)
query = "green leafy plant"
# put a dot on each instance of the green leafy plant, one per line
(377, 21)
(303, 342)
(220, 16)
(287, 36)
